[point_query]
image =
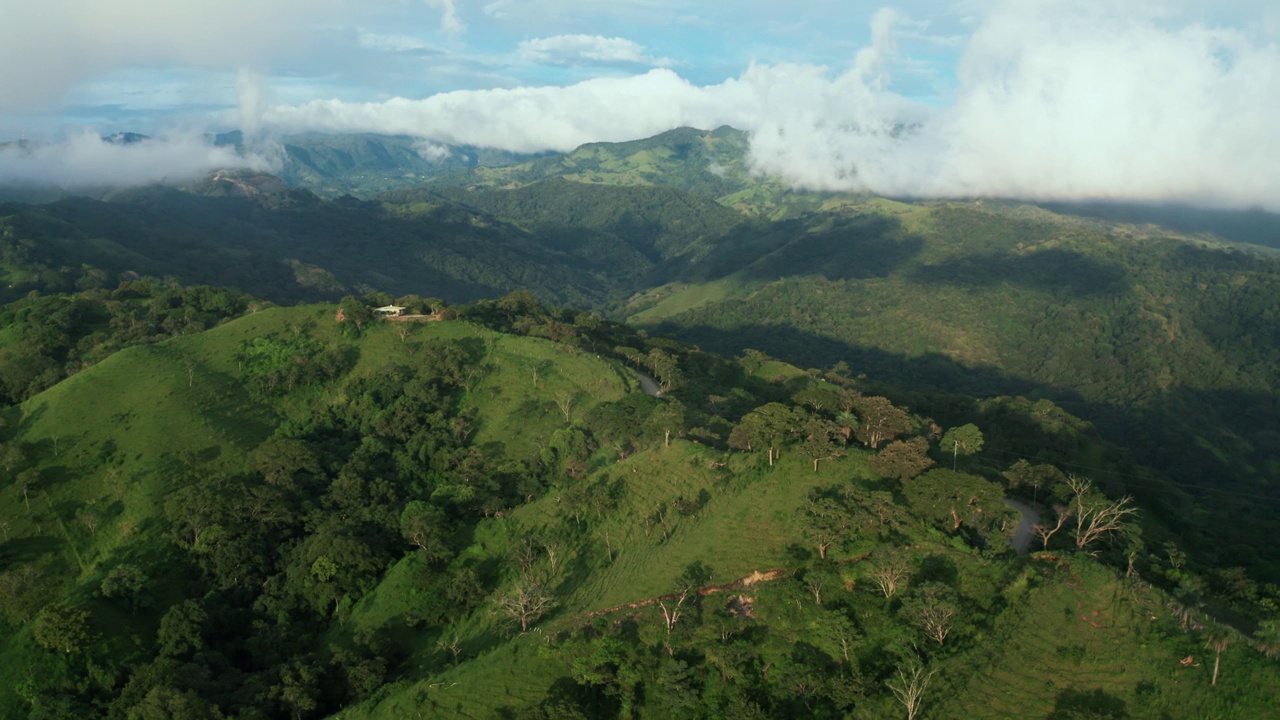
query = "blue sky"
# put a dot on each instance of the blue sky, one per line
(1062, 99)
(143, 64)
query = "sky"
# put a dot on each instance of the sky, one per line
(1147, 100)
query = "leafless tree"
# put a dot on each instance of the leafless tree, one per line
(451, 643)
(936, 617)
(554, 558)
(672, 607)
(889, 573)
(525, 552)
(1097, 517)
(814, 584)
(1045, 532)
(525, 602)
(608, 543)
(908, 685)
(90, 519)
(565, 400)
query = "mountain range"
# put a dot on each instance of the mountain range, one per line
(1137, 347)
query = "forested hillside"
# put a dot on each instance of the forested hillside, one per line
(655, 437)
(291, 516)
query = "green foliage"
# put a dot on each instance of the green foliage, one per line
(62, 627)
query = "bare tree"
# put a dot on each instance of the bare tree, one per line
(451, 643)
(1045, 532)
(1217, 642)
(814, 584)
(1096, 517)
(525, 552)
(554, 558)
(936, 616)
(686, 587)
(565, 400)
(889, 573)
(90, 519)
(525, 602)
(908, 685)
(608, 543)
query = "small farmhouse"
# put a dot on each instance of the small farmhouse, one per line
(389, 311)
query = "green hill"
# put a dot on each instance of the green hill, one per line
(289, 516)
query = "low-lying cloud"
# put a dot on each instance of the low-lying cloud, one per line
(1054, 100)
(87, 160)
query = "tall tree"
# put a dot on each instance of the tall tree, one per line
(667, 419)
(822, 440)
(902, 459)
(879, 420)
(908, 685)
(964, 440)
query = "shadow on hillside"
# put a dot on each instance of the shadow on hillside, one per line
(1256, 227)
(860, 248)
(1053, 270)
(1072, 703)
(18, 551)
(1217, 450)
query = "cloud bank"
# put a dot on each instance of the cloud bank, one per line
(87, 160)
(1054, 100)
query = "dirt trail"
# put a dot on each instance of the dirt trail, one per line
(756, 577)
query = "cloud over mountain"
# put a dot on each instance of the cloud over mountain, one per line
(1054, 100)
(89, 160)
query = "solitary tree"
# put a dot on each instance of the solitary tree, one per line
(879, 420)
(964, 440)
(934, 611)
(1045, 532)
(821, 441)
(1096, 516)
(685, 587)
(902, 459)
(828, 521)
(668, 419)
(1218, 642)
(526, 601)
(889, 572)
(908, 685)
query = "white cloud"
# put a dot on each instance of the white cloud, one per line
(87, 160)
(49, 46)
(431, 152)
(393, 42)
(450, 21)
(581, 49)
(1054, 100)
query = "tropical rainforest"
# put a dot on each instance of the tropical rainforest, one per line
(631, 432)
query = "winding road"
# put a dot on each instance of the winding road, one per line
(648, 384)
(1024, 534)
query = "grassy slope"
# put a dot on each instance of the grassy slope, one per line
(126, 427)
(751, 519)
(1077, 634)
